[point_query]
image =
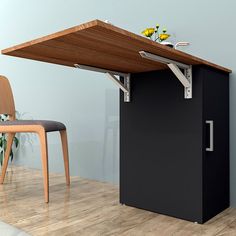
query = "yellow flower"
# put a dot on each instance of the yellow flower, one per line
(148, 32)
(164, 36)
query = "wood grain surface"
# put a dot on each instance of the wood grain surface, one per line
(101, 45)
(90, 208)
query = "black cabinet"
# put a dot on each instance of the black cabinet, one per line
(164, 163)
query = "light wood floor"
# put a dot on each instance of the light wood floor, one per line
(89, 208)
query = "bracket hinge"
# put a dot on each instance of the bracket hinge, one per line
(113, 76)
(124, 87)
(185, 79)
(175, 66)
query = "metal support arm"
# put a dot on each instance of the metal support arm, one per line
(124, 87)
(175, 66)
(178, 73)
(112, 75)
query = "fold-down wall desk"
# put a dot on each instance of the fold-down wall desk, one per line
(174, 116)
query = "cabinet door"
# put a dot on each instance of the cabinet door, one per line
(215, 142)
(161, 146)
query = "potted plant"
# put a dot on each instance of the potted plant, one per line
(3, 141)
(153, 34)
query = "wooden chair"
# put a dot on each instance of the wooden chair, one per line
(41, 127)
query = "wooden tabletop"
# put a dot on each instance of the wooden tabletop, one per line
(101, 45)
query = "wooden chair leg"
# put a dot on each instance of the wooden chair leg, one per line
(7, 155)
(65, 155)
(44, 154)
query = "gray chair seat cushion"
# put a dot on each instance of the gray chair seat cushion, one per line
(48, 125)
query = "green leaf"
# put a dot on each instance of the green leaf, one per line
(11, 155)
(16, 141)
(4, 144)
(1, 157)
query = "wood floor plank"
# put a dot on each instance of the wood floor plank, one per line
(165, 226)
(90, 208)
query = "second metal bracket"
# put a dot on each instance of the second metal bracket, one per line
(175, 66)
(185, 79)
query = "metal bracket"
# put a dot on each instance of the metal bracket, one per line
(124, 87)
(175, 66)
(112, 75)
(188, 91)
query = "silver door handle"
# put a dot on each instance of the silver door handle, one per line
(211, 147)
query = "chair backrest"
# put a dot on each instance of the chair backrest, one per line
(7, 105)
